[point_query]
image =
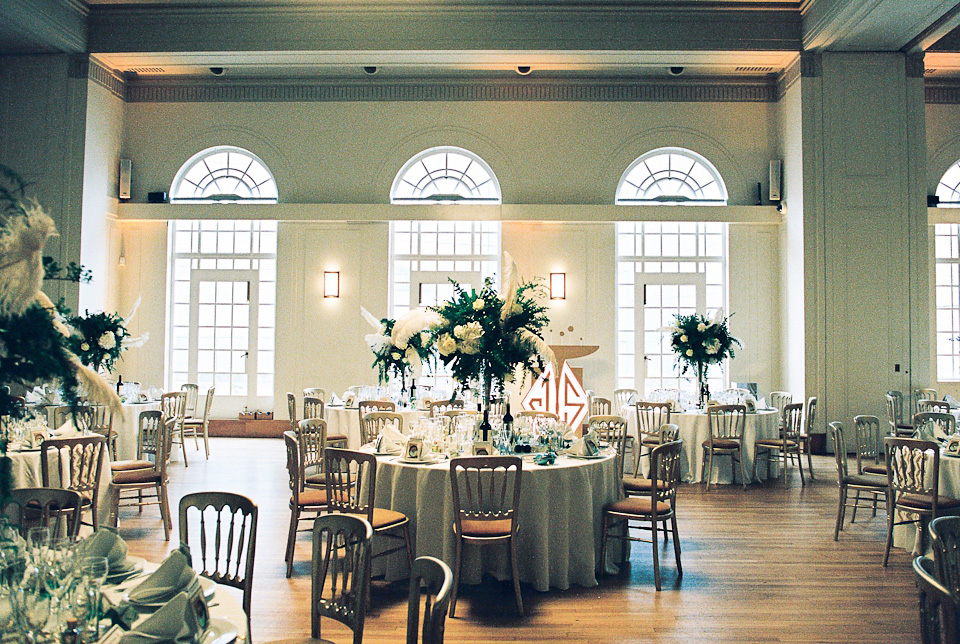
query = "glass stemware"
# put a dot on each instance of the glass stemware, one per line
(59, 572)
(93, 572)
(38, 541)
(33, 604)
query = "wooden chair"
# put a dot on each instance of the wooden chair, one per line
(624, 397)
(727, 423)
(303, 500)
(898, 427)
(780, 399)
(373, 423)
(440, 407)
(43, 506)
(613, 430)
(601, 407)
(913, 471)
(193, 394)
(873, 484)
(945, 538)
(939, 607)
(365, 407)
(173, 406)
(923, 393)
(314, 392)
(870, 458)
(651, 416)
(292, 410)
(199, 426)
(787, 444)
(340, 580)
(315, 408)
(102, 424)
(437, 579)
(312, 443)
(227, 538)
(646, 513)
(941, 406)
(942, 424)
(637, 485)
(351, 489)
(806, 433)
(486, 498)
(78, 463)
(83, 416)
(153, 441)
(526, 413)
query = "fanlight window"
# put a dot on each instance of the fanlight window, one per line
(671, 176)
(224, 174)
(948, 190)
(445, 175)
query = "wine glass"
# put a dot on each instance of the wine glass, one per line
(38, 540)
(94, 572)
(60, 571)
(33, 603)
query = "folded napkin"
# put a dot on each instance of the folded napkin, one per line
(34, 397)
(953, 402)
(105, 542)
(173, 576)
(762, 404)
(174, 622)
(570, 435)
(335, 400)
(66, 430)
(586, 446)
(390, 441)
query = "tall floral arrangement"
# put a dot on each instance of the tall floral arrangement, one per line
(394, 355)
(97, 339)
(33, 339)
(484, 337)
(700, 342)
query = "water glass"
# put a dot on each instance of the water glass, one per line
(32, 604)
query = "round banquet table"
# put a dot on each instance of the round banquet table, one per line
(125, 426)
(27, 472)
(346, 420)
(558, 542)
(905, 536)
(694, 429)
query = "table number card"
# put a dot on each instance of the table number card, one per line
(414, 451)
(952, 446)
(483, 448)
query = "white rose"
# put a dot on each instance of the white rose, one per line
(396, 355)
(472, 331)
(478, 305)
(690, 352)
(107, 341)
(84, 346)
(424, 338)
(701, 327)
(683, 338)
(458, 331)
(446, 345)
(712, 346)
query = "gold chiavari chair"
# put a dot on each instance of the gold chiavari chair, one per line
(340, 581)
(374, 423)
(788, 444)
(436, 578)
(200, 426)
(152, 445)
(78, 464)
(873, 484)
(727, 423)
(173, 406)
(303, 500)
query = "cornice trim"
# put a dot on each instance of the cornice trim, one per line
(752, 91)
(942, 92)
(788, 77)
(107, 78)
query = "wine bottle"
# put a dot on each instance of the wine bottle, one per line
(485, 426)
(119, 383)
(413, 394)
(508, 437)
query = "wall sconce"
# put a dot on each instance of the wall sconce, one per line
(331, 284)
(558, 286)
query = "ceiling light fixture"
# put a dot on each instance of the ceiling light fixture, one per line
(524, 70)
(370, 69)
(216, 71)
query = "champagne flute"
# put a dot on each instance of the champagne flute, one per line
(94, 572)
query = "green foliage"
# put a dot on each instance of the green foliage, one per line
(390, 359)
(699, 341)
(72, 272)
(97, 338)
(482, 347)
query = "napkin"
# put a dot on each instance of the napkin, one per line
(390, 441)
(174, 622)
(586, 446)
(105, 542)
(953, 402)
(173, 576)
(570, 435)
(66, 430)
(335, 400)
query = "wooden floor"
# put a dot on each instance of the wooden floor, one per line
(760, 565)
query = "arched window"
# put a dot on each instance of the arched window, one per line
(224, 174)
(672, 176)
(445, 175)
(948, 190)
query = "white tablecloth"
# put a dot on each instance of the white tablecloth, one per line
(27, 473)
(560, 518)
(905, 536)
(126, 427)
(341, 420)
(694, 429)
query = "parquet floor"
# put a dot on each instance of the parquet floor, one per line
(760, 565)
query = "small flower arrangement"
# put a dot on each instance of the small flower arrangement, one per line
(97, 338)
(400, 359)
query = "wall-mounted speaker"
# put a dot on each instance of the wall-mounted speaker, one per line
(124, 185)
(157, 197)
(776, 172)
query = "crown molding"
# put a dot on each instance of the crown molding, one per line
(942, 92)
(107, 78)
(687, 90)
(788, 77)
(59, 25)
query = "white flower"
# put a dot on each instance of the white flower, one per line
(701, 327)
(471, 332)
(84, 346)
(478, 305)
(396, 355)
(683, 338)
(712, 346)
(446, 344)
(424, 338)
(458, 331)
(690, 352)
(107, 341)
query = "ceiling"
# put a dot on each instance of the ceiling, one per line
(474, 39)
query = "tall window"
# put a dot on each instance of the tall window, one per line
(425, 255)
(671, 176)
(946, 249)
(948, 190)
(224, 174)
(223, 284)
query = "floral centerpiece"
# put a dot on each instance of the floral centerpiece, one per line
(396, 356)
(33, 340)
(484, 337)
(699, 343)
(97, 338)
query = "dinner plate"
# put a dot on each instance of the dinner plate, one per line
(585, 457)
(134, 565)
(219, 631)
(411, 461)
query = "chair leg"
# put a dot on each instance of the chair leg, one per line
(115, 510)
(206, 441)
(743, 468)
(709, 464)
(406, 543)
(196, 439)
(806, 446)
(164, 512)
(840, 508)
(800, 466)
(183, 446)
(886, 550)
(456, 575)
(676, 545)
(516, 576)
(856, 503)
(656, 554)
(291, 540)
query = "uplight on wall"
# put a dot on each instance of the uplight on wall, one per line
(331, 284)
(558, 286)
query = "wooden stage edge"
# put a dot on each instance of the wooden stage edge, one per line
(233, 428)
